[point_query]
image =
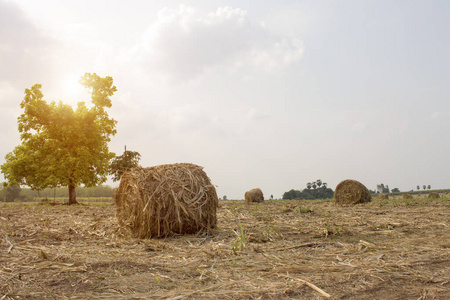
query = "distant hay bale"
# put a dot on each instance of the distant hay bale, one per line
(351, 192)
(254, 195)
(407, 196)
(382, 196)
(433, 195)
(165, 200)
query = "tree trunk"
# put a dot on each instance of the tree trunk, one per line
(72, 195)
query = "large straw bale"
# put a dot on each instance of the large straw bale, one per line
(382, 196)
(351, 192)
(254, 195)
(165, 200)
(407, 196)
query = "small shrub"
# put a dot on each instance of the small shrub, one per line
(302, 209)
(241, 239)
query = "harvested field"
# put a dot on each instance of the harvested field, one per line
(385, 249)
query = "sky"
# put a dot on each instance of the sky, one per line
(268, 94)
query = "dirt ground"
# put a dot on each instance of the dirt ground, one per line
(386, 249)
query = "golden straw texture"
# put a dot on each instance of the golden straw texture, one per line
(165, 200)
(351, 192)
(254, 195)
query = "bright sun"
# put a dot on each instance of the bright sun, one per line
(72, 91)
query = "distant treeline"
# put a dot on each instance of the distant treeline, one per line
(412, 192)
(16, 193)
(309, 194)
(96, 191)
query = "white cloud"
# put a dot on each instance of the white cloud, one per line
(278, 54)
(10, 99)
(359, 127)
(24, 50)
(440, 115)
(189, 118)
(184, 43)
(255, 115)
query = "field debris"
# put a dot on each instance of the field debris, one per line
(386, 249)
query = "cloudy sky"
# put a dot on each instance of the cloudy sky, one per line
(268, 94)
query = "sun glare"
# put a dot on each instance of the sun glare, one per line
(72, 91)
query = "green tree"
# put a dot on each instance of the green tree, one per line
(292, 194)
(62, 146)
(319, 193)
(124, 162)
(2, 191)
(12, 193)
(319, 182)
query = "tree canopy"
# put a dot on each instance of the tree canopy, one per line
(309, 194)
(62, 146)
(314, 190)
(124, 162)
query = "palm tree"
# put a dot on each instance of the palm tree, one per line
(424, 187)
(324, 184)
(418, 187)
(314, 185)
(308, 185)
(429, 187)
(319, 183)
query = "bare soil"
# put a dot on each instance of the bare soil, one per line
(385, 249)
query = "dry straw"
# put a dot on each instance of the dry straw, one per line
(254, 195)
(383, 196)
(166, 200)
(407, 196)
(351, 192)
(433, 195)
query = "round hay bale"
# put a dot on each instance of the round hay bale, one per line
(433, 195)
(407, 196)
(254, 195)
(165, 200)
(382, 196)
(351, 192)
